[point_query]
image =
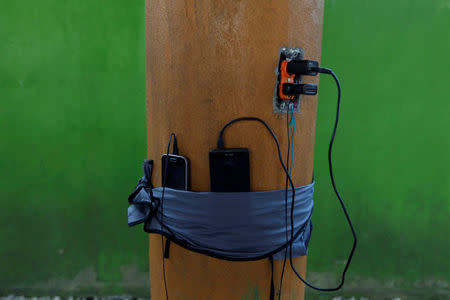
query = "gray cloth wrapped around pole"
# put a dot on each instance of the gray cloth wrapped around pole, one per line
(232, 226)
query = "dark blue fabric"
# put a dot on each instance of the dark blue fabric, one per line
(235, 226)
(140, 199)
(141, 208)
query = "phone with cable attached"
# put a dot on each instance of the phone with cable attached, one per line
(177, 174)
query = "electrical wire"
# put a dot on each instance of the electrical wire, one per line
(220, 144)
(292, 124)
(172, 135)
(330, 148)
(289, 136)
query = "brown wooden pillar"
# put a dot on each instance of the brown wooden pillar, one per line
(209, 61)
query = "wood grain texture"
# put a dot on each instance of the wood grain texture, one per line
(209, 61)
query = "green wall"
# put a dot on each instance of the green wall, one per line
(392, 149)
(72, 114)
(72, 117)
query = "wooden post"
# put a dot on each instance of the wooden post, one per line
(209, 61)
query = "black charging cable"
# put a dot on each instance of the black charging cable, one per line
(315, 69)
(220, 145)
(311, 69)
(163, 249)
(175, 145)
(175, 152)
(285, 204)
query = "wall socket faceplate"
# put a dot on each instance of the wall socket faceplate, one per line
(283, 105)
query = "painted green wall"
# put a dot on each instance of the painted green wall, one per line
(392, 149)
(72, 131)
(72, 115)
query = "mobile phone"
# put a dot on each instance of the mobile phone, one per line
(229, 170)
(177, 174)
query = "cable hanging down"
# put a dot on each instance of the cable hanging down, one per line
(220, 144)
(286, 169)
(175, 150)
(341, 202)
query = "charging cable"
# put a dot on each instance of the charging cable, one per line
(163, 249)
(302, 67)
(311, 68)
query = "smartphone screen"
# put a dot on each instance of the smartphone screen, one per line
(229, 170)
(176, 176)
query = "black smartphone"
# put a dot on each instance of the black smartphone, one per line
(229, 170)
(177, 174)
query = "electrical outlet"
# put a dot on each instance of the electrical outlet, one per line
(281, 102)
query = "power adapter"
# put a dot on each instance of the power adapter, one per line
(229, 170)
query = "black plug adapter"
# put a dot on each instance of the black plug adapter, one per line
(303, 67)
(298, 88)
